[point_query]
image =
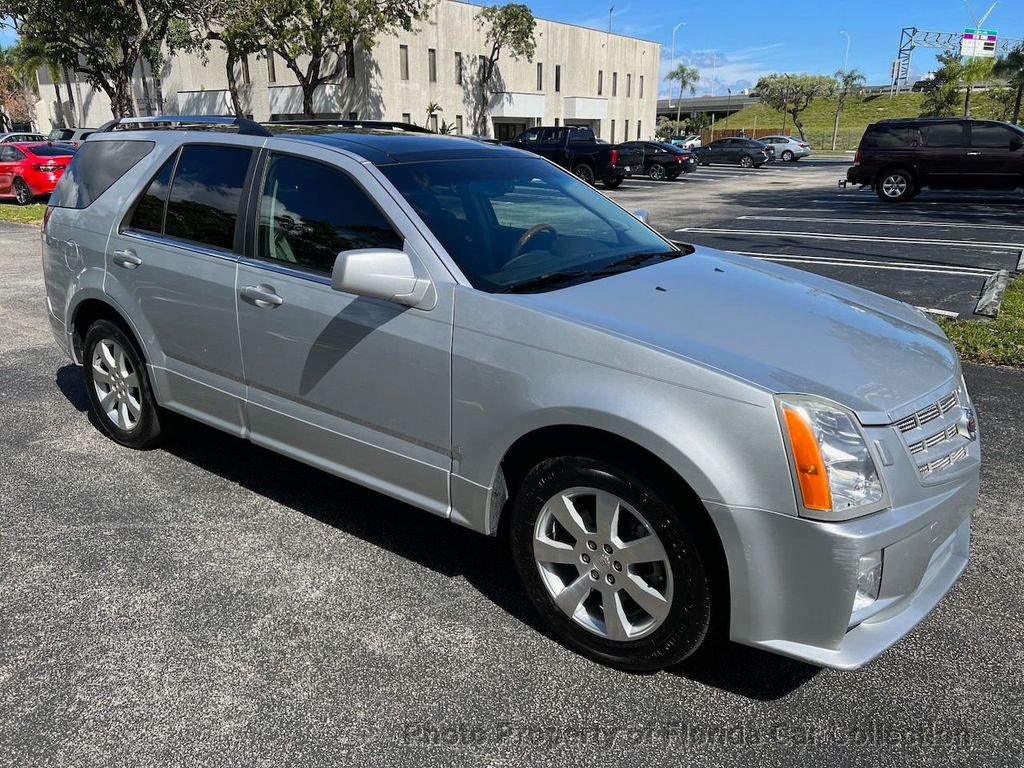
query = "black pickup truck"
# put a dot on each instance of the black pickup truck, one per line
(578, 150)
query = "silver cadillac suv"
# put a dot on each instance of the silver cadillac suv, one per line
(679, 444)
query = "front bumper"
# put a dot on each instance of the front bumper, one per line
(792, 581)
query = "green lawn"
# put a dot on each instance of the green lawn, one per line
(858, 113)
(22, 214)
(999, 342)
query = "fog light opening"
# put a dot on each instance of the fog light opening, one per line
(869, 580)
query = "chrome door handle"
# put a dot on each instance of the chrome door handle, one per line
(973, 154)
(126, 259)
(262, 296)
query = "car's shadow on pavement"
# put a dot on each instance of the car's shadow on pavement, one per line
(446, 548)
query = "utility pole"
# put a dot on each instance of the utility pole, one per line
(846, 60)
(677, 26)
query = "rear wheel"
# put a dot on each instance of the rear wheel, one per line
(747, 161)
(896, 186)
(119, 390)
(585, 172)
(657, 172)
(612, 183)
(610, 564)
(22, 194)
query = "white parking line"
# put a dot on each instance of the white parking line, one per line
(897, 266)
(915, 203)
(892, 222)
(855, 238)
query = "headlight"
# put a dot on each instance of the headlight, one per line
(834, 470)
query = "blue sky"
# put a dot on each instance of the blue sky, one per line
(749, 39)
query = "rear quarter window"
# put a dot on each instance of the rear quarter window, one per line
(95, 167)
(889, 137)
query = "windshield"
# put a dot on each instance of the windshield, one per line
(508, 222)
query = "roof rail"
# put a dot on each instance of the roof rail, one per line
(246, 127)
(390, 125)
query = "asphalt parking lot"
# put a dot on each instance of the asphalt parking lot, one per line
(934, 252)
(212, 603)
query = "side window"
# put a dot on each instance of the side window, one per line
(944, 135)
(149, 214)
(992, 136)
(95, 167)
(10, 155)
(309, 212)
(206, 193)
(531, 135)
(887, 137)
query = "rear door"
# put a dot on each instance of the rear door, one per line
(995, 158)
(174, 262)
(940, 163)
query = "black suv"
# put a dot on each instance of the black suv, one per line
(898, 158)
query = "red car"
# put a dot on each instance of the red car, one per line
(30, 170)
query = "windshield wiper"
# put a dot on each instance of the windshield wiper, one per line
(543, 281)
(635, 260)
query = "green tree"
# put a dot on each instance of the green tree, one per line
(975, 71)
(793, 94)
(687, 77)
(508, 29)
(28, 56)
(847, 83)
(317, 33)
(942, 89)
(1010, 68)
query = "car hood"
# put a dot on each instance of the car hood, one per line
(782, 329)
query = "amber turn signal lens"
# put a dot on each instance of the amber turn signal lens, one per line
(810, 468)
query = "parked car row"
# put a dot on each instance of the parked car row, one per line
(29, 170)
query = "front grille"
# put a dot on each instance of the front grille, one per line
(936, 436)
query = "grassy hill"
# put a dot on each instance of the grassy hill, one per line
(859, 112)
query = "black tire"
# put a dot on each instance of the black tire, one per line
(896, 186)
(788, 156)
(153, 423)
(22, 194)
(746, 161)
(689, 615)
(612, 182)
(657, 172)
(584, 172)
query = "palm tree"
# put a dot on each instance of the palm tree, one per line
(975, 71)
(847, 81)
(29, 54)
(687, 77)
(1011, 69)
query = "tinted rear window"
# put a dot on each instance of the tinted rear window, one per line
(887, 137)
(206, 194)
(149, 213)
(48, 151)
(94, 168)
(944, 135)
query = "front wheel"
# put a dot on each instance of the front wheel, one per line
(610, 564)
(119, 390)
(612, 183)
(585, 172)
(896, 186)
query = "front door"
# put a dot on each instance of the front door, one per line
(357, 386)
(995, 159)
(9, 159)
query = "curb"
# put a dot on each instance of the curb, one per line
(992, 294)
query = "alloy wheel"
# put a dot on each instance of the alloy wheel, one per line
(603, 564)
(117, 385)
(22, 194)
(895, 185)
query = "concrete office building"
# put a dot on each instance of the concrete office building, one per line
(578, 76)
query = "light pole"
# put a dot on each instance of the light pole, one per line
(846, 61)
(674, 29)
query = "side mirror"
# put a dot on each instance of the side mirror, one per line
(380, 273)
(644, 216)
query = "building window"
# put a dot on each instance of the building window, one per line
(556, 122)
(483, 66)
(638, 130)
(612, 137)
(432, 64)
(243, 70)
(406, 118)
(558, 78)
(458, 124)
(629, 86)
(625, 130)
(641, 86)
(458, 68)
(600, 82)
(615, 83)
(271, 68)
(350, 60)
(403, 61)
(353, 115)
(540, 76)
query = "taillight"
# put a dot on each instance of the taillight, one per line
(615, 156)
(679, 158)
(805, 146)
(47, 167)
(856, 158)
